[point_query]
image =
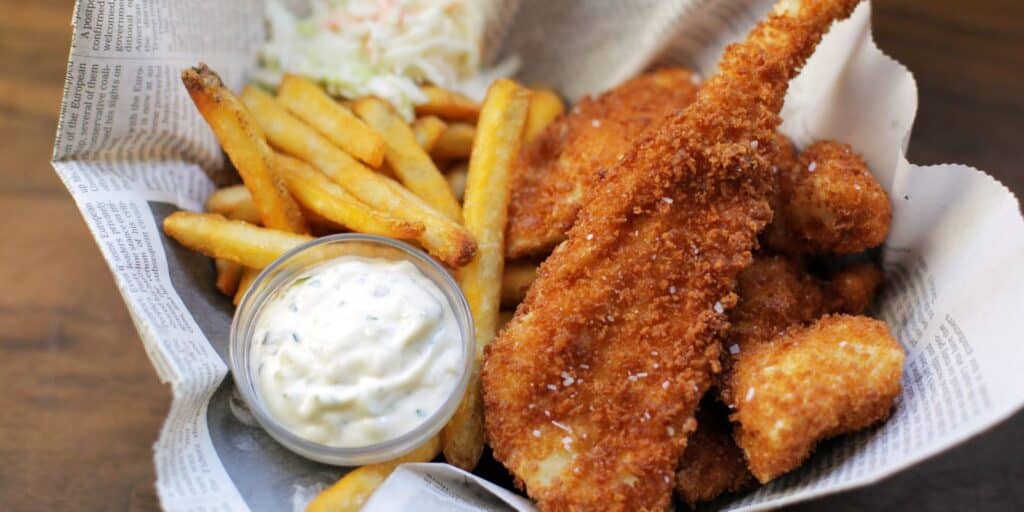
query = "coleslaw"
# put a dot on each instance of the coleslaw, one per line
(383, 48)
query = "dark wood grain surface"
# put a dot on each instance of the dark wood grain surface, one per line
(80, 406)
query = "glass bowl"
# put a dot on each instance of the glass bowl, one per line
(282, 272)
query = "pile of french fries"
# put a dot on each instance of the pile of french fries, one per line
(312, 165)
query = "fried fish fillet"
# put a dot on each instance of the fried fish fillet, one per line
(551, 173)
(590, 391)
(836, 376)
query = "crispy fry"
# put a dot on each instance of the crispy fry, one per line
(315, 191)
(228, 273)
(232, 240)
(246, 146)
(456, 177)
(455, 142)
(545, 107)
(443, 238)
(404, 155)
(244, 282)
(427, 130)
(497, 142)
(355, 488)
(448, 105)
(516, 279)
(310, 103)
(234, 202)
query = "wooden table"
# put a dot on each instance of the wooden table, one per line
(81, 407)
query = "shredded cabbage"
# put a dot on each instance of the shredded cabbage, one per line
(384, 48)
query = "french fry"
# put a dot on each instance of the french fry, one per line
(246, 146)
(316, 192)
(456, 177)
(427, 130)
(353, 490)
(232, 240)
(443, 238)
(455, 142)
(448, 105)
(545, 106)
(244, 282)
(234, 202)
(228, 273)
(515, 281)
(404, 155)
(485, 210)
(310, 103)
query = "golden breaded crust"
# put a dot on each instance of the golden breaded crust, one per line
(853, 289)
(591, 389)
(552, 173)
(830, 203)
(839, 375)
(774, 293)
(712, 464)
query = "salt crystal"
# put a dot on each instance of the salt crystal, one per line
(672, 290)
(585, 366)
(671, 431)
(596, 123)
(552, 387)
(536, 433)
(590, 236)
(719, 308)
(562, 426)
(812, 166)
(664, 385)
(753, 144)
(750, 393)
(734, 349)
(842, 343)
(668, 200)
(566, 442)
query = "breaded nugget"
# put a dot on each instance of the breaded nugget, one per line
(775, 293)
(829, 203)
(552, 172)
(712, 464)
(590, 391)
(853, 289)
(836, 376)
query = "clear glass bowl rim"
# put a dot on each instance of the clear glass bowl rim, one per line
(239, 343)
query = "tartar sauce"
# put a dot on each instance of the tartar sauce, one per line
(356, 351)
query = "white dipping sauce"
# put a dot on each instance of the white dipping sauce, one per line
(356, 351)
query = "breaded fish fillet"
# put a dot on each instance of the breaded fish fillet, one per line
(590, 391)
(551, 174)
(838, 375)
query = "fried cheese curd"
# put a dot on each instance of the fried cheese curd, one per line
(836, 376)
(828, 202)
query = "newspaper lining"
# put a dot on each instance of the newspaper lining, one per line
(131, 149)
